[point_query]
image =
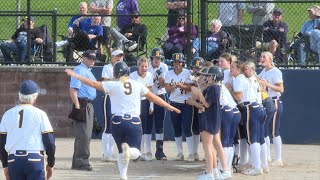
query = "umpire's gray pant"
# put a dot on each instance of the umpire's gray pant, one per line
(82, 132)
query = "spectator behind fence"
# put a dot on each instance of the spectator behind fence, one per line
(83, 10)
(177, 37)
(315, 41)
(302, 44)
(84, 38)
(125, 8)
(216, 40)
(261, 11)
(136, 30)
(18, 44)
(231, 13)
(274, 33)
(102, 7)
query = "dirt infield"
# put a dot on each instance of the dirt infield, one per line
(300, 162)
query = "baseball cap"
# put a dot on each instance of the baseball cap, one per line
(29, 87)
(315, 10)
(90, 54)
(277, 10)
(31, 19)
(116, 52)
(135, 14)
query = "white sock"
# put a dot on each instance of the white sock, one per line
(196, 142)
(179, 144)
(243, 152)
(159, 136)
(263, 155)
(237, 150)
(267, 140)
(190, 144)
(111, 145)
(215, 172)
(142, 144)
(255, 154)
(123, 168)
(104, 143)
(230, 159)
(134, 153)
(147, 140)
(278, 148)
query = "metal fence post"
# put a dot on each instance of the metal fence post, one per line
(28, 30)
(54, 30)
(203, 22)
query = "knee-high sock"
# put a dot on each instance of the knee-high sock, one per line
(267, 140)
(159, 136)
(237, 150)
(278, 148)
(190, 144)
(111, 145)
(123, 168)
(104, 143)
(255, 154)
(230, 157)
(243, 152)
(147, 140)
(263, 155)
(142, 145)
(196, 142)
(179, 144)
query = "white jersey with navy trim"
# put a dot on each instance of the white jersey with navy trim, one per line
(125, 97)
(178, 95)
(242, 84)
(273, 76)
(227, 78)
(156, 74)
(226, 98)
(256, 87)
(107, 71)
(146, 80)
(24, 126)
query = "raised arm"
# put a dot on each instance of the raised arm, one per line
(95, 84)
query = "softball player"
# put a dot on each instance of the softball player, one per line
(210, 125)
(245, 95)
(158, 69)
(145, 78)
(107, 139)
(272, 79)
(178, 84)
(125, 95)
(25, 133)
(196, 65)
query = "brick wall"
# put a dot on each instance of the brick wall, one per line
(56, 102)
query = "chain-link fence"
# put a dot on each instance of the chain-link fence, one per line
(245, 40)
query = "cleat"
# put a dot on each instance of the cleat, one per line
(125, 153)
(190, 158)
(224, 175)
(205, 176)
(159, 152)
(277, 163)
(266, 169)
(253, 172)
(146, 157)
(112, 158)
(180, 157)
(196, 157)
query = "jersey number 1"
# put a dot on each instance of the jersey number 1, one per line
(128, 88)
(20, 117)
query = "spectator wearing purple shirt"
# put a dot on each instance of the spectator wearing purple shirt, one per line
(125, 7)
(177, 37)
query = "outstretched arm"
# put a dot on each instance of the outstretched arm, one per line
(153, 98)
(95, 84)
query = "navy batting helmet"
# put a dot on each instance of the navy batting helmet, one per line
(197, 62)
(120, 69)
(157, 52)
(216, 72)
(178, 57)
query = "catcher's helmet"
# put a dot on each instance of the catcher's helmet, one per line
(197, 62)
(120, 69)
(216, 72)
(157, 52)
(178, 57)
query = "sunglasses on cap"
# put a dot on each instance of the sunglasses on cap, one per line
(135, 17)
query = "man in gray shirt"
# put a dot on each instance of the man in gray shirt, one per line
(261, 12)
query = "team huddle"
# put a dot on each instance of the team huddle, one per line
(229, 106)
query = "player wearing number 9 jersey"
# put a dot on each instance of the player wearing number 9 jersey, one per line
(178, 84)
(125, 96)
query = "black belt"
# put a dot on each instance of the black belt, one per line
(85, 100)
(246, 103)
(275, 97)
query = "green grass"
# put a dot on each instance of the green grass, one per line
(294, 15)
